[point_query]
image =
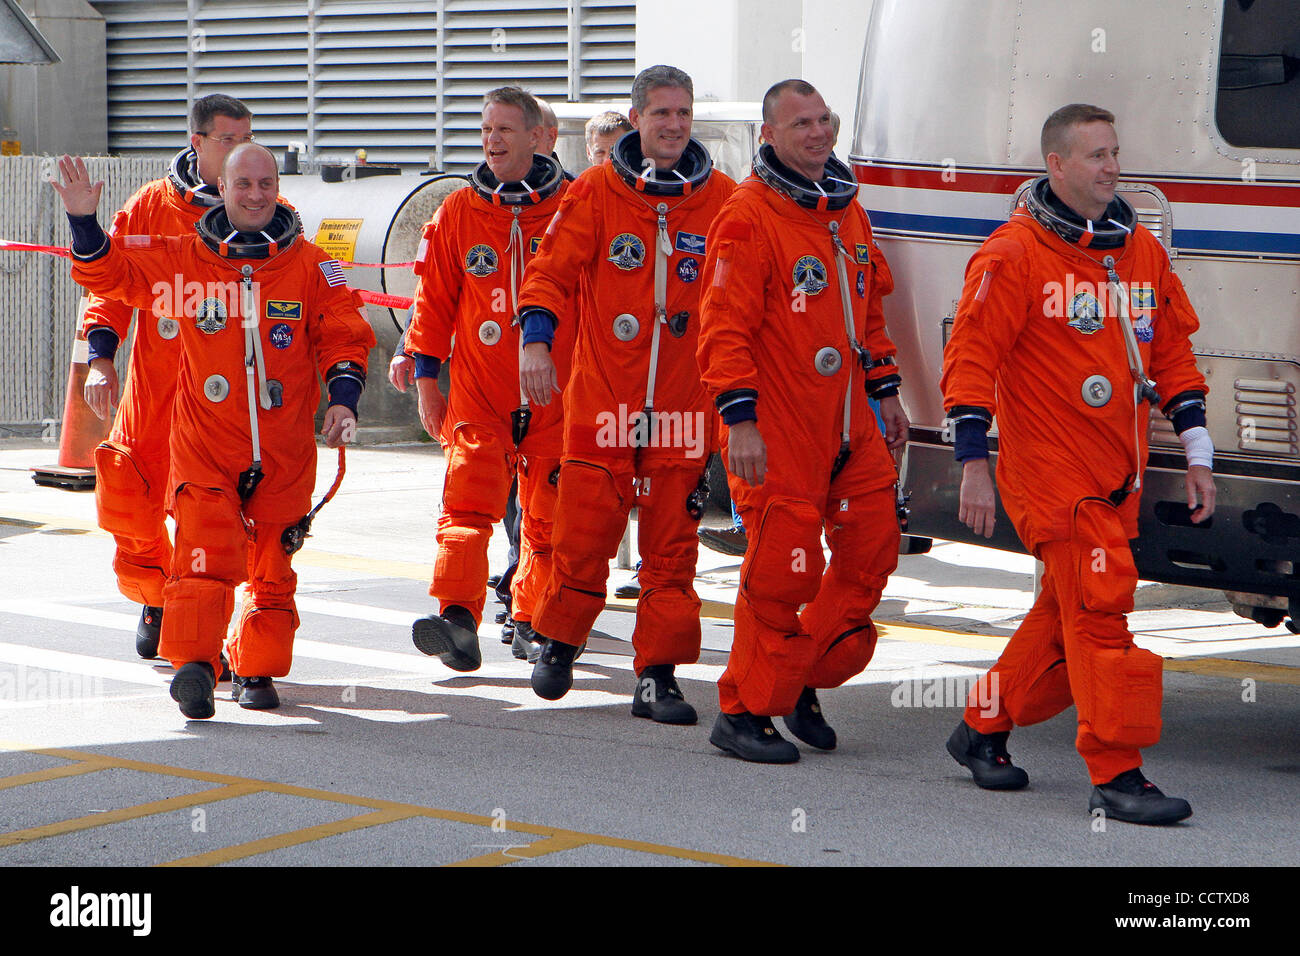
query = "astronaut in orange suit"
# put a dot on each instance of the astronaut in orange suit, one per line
(792, 343)
(471, 265)
(629, 237)
(131, 465)
(1071, 323)
(261, 313)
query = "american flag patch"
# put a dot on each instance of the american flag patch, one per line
(333, 272)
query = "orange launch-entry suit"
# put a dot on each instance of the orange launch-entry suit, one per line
(1038, 342)
(470, 264)
(289, 298)
(633, 249)
(776, 347)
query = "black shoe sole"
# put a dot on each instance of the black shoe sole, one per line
(258, 700)
(1174, 814)
(550, 685)
(524, 649)
(439, 638)
(680, 719)
(728, 745)
(960, 756)
(730, 547)
(826, 743)
(192, 688)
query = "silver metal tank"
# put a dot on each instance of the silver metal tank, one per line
(379, 219)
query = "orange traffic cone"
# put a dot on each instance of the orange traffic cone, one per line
(82, 429)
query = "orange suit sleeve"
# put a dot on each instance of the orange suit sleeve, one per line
(991, 315)
(552, 278)
(875, 337)
(338, 327)
(737, 272)
(141, 272)
(1173, 365)
(107, 313)
(440, 274)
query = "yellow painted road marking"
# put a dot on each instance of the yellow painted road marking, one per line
(917, 634)
(44, 522)
(125, 813)
(1236, 670)
(514, 854)
(51, 773)
(293, 838)
(240, 786)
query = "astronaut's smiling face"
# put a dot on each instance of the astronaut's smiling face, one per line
(249, 184)
(508, 143)
(664, 125)
(1085, 175)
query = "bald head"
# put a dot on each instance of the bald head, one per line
(249, 183)
(550, 127)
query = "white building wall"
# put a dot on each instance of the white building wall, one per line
(736, 49)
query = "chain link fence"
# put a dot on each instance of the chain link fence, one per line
(38, 299)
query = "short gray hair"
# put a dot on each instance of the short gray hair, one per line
(514, 96)
(602, 124)
(653, 77)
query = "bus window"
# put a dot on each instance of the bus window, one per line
(1259, 74)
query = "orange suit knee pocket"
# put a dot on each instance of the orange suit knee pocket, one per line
(770, 668)
(595, 514)
(197, 612)
(1103, 559)
(264, 645)
(210, 538)
(478, 473)
(1125, 691)
(122, 495)
(785, 561)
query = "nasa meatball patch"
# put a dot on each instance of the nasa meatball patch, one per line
(688, 270)
(281, 335)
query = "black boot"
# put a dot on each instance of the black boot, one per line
(658, 697)
(225, 674)
(1133, 798)
(633, 588)
(553, 672)
(526, 645)
(192, 688)
(254, 693)
(731, 541)
(451, 637)
(507, 628)
(807, 723)
(751, 737)
(148, 632)
(986, 757)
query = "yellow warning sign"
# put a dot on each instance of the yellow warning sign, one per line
(338, 237)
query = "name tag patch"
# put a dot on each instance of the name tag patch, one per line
(690, 242)
(283, 309)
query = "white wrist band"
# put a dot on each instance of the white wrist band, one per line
(1198, 446)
